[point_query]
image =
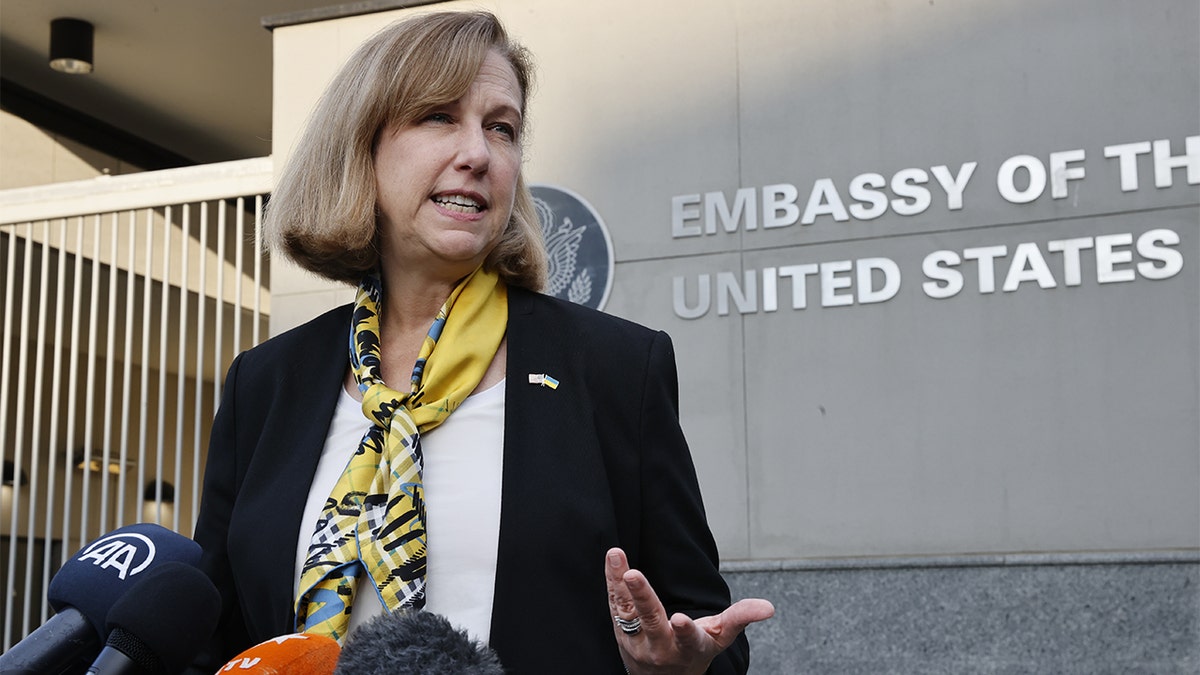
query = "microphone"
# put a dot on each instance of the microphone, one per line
(418, 642)
(83, 591)
(294, 654)
(159, 626)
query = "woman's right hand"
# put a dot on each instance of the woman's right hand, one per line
(675, 644)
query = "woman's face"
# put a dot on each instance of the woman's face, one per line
(446, 182)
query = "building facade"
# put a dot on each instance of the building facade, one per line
(930, 270)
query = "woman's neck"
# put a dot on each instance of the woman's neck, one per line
(412, 302)
(410, 305)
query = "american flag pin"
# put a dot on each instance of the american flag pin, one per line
(543, 379)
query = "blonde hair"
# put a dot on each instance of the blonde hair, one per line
(322, 213)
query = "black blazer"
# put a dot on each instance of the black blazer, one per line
(598, 462)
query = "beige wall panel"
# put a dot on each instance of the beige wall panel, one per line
(1035, 419)
(1055, 419)
(711, 389)
(28, 153)
(289, 310)
(634, 104)
(910, 84)
(33, 157)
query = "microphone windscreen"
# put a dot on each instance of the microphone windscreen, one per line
(166, 618)
(295, 654)
(414, 642)
(93, 579)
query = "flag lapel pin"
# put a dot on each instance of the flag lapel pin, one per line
(543, 379)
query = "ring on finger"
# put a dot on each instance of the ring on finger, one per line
(629, 626)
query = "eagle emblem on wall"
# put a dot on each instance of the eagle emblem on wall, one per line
(578, 248)
(562, 239)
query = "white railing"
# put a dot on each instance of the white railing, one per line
(123, 300)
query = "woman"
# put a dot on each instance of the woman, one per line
(541, 438)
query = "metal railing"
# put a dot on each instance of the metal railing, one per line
(122, 300)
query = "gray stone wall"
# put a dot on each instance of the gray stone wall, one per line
(1065, 614)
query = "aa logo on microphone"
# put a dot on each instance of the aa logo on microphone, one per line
(579, 249)
(127, 552)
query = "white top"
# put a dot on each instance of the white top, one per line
(462, 477)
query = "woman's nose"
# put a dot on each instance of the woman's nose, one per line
(474, 154)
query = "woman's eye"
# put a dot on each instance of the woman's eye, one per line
(506, 129)
(437, 117)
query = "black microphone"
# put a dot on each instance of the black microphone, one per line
(64, 645)
(416, 642)
(84, 590)
(159, 626)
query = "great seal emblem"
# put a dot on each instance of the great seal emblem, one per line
(578, 246)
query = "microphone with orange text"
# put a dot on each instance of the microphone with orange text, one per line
(294, 654)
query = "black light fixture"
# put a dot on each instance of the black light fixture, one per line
(10, 477)
(154, 511)
(150, 492)
(71, 46)
(10, 481)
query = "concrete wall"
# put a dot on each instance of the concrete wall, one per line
(1048, 405)
(919, 424)
(35, 157)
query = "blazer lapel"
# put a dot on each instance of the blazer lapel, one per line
(282, 470)
(555, 509)
(519, 422)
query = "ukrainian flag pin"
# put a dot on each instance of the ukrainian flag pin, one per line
(543, 379)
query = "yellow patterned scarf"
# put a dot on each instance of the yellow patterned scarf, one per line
(374, 520)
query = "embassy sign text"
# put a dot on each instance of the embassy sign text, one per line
(1020, 179)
